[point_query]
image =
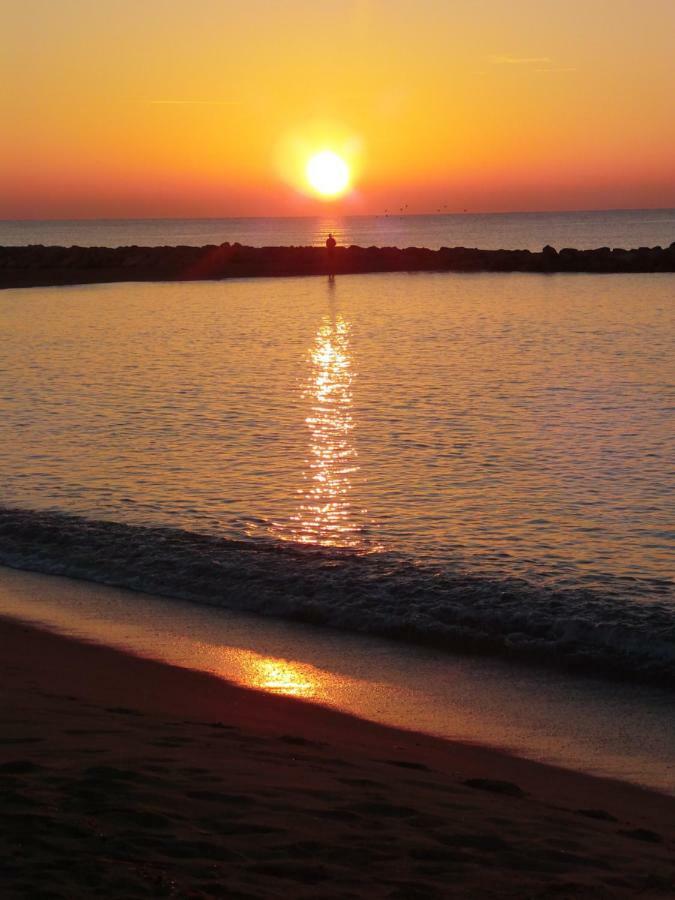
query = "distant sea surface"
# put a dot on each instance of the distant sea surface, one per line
(524, 231)
(471, 460)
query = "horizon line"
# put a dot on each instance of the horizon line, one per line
(514, 212)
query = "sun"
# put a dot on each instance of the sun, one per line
(327, 173)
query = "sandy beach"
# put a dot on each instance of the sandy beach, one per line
(125, 777)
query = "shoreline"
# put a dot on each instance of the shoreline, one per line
(480, 616)
(569, 721)
(41, 266)
(171, 774)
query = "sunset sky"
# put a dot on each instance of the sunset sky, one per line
(210, 107)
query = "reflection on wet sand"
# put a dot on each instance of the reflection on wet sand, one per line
(279, 676)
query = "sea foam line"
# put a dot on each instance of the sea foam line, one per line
(379, 594)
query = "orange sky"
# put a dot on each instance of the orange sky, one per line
(115, 108)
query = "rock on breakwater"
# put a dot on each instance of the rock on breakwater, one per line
(37, 265)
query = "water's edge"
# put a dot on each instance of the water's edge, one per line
(379, 594)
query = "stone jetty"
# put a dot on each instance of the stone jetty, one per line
(36, 265)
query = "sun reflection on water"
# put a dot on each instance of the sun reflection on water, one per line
(326, 515)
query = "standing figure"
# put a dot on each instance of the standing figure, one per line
(330, 251)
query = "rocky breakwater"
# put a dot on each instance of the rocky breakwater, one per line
(38, 265)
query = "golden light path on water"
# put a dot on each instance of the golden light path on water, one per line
(325, 511)
(326, 515)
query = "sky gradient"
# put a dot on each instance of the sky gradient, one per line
(210, 107)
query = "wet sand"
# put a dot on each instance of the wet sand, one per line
(125, 777)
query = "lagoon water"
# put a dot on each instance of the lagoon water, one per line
(507, 422)
(482, 452)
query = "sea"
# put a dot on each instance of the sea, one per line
(583, 230)
(439, 464)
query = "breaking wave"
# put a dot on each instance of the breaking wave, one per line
(380, 594)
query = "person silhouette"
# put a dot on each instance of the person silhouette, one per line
(330, 252)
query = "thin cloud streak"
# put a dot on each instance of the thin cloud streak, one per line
(200, 102)
(519, 60)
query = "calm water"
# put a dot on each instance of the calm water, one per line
(496, 426)
(522, 420)
(531, 231)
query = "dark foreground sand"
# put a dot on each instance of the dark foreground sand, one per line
(123, 777)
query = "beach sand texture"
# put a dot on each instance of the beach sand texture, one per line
(124, 777)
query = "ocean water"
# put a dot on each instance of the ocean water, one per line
(475, 461)
(524, 231)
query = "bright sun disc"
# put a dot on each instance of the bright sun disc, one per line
(328, 173)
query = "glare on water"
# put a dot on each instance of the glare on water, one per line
(513, 423)
(325, 515)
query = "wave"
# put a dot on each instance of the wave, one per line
(379, 594)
